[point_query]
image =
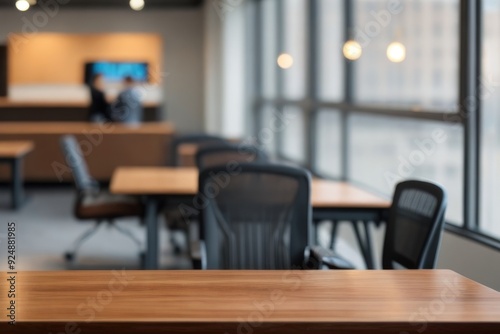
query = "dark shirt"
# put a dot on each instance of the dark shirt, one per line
(99, 107)
(127, 108)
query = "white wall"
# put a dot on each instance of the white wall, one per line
(226, 67)
(182, 32)
(470, 259)
(213, 68)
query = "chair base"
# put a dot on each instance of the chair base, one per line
(70, 255)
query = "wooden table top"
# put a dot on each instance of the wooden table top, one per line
(155, 181)
(15, 149)
(327, 194)
(186, 155)
(187, 149)
(6, 102)
(441, 301)
(184, 181)
(61, 128)
(187, 152)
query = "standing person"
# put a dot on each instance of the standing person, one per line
(99, 106)
(128, 106)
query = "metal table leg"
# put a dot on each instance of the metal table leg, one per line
(333, 234)
(17, 183)
(369, 249)
(151, 221)
(364, 244)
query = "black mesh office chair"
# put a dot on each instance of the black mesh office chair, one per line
(414, 227)
(258, 217)
(173, 218)
(92, 203)
(200, 138)
(221, 154)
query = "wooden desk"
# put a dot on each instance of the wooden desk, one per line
(187, 155)
(6, 102)
(330, 200)
(155, 181)
(431, 302)
(184, 181)
(105, 146)
(12, 110)
(13, 152)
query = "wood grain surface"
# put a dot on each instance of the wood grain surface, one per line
(433, 301)
(59, 128)
(14, 149)
(184, 180)
(11, 103)
(155, 181)
(105, 147)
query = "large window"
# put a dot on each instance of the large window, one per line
(294, 44)
(389, 150)
(269, 47)
(330, 64)
(490, 119)
(329, 139)
(377, 93)
(293, 135)
(427, 75)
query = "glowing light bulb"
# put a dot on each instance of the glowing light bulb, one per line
(285, 61)
(396, 52)
(22, 5)
(137, 4)
(352, 50)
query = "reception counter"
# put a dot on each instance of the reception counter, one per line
(58, 111)
(105, 147)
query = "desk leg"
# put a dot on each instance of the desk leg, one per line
(151, 221)
(17, 183)
(369, 249)
(315, 231)
(364, 245)
(333, 234)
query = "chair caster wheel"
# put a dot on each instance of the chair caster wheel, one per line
(69, 257)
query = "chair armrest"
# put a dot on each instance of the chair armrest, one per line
(198, 254)
(326, 257)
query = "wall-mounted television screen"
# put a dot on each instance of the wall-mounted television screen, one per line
(116, 71)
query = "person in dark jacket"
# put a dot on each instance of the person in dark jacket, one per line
(128, 106)
(99, 107)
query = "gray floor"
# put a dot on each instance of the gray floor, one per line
(46, 228)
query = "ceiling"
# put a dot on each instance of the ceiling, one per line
(115, 3)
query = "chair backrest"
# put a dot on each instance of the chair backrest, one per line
(75, 160)
(221, 154)
(414, 227)
(200, 139)
(257, 216)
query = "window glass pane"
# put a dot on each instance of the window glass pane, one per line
(269, 47)
(293, 139)
(331, 69)
(490, 120)
(295, 30)
(384, 151)
(328, 139)
(269, 128)
(428, 75)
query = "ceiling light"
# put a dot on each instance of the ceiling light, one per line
(285, 61)
(22, 5)
(136, 4)
(396, 52)
(352, 50)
